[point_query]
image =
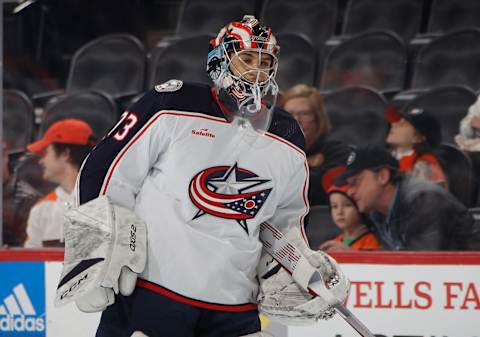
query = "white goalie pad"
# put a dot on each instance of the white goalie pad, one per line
(105, 249)
(283, 299)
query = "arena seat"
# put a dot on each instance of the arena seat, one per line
(316, 19)
(450, 59)
(209, 16)
(95, 108)
(375, 59)
(450, 15)
(185, 59)
(114, 64)
(18, 119)
(449, 104)
(297, 61)
(320, 227)
(356, 115)
(402, 17)
(475, 212)
(458, 167)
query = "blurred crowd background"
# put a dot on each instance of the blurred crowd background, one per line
(401, 75)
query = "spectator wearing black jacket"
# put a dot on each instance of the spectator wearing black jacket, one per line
(408, 214)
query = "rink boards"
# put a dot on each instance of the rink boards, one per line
(394, 294)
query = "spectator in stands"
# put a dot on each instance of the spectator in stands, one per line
(413, 137)
(62, 150)
(408, 213)
(469, 137)
(18, 198)
(356, 234)
(305, 103)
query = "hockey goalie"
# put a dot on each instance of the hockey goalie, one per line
(188, 176)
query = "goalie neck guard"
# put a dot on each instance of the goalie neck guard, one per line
(242, 63)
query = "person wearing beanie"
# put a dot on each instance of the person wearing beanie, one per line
(356, 235)
(414, 135)
(62, 150)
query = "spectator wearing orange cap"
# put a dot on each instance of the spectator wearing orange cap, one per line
(413, 137)
(356, 235)
(62, 151)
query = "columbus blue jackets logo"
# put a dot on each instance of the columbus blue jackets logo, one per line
(228, 192)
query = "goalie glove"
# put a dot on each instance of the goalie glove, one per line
(282, 299)
(105, 249)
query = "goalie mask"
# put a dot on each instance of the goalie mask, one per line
(242, 64)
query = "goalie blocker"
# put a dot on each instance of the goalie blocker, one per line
(315, 289)
(105, 249)
(285, 297)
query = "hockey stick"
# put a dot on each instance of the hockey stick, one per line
(290, 257)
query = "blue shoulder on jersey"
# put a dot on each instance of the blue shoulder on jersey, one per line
(192, 97)
(285, 126)
(197, 97)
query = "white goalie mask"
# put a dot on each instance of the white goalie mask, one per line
(242, 64)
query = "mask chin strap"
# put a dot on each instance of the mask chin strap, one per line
(253, 104)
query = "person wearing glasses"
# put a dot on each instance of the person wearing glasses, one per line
(305, 104)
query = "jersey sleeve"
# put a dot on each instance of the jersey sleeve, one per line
(119, 164)
(293, 206)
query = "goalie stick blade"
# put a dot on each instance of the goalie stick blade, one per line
(353, 321)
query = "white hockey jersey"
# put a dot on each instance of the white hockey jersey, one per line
(203, 187)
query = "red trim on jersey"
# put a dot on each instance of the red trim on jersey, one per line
(142, 131)
(307, 205)
(196, 303)
(302, 223)
(154, 119)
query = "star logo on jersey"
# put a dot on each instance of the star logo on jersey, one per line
(228, 192)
